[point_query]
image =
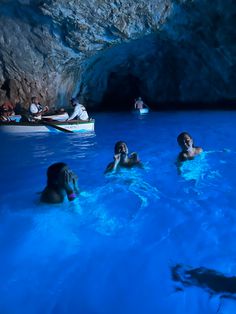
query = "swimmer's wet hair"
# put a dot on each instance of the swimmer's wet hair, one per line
(181, 136)
(117, 145)
(54, 171)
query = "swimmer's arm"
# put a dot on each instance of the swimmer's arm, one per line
(179, 163)
(140, 165)
(72, 179)
(134, 158)
(198, 150)
(70, 192)
(70, 185)
(75, 185)
(184, 156)
(113, 165)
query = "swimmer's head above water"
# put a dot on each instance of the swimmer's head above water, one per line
(55, 172)
(189, 151)
(121, 152)
(121, 148)
(61, 181)
(122, 159)
(185, 141)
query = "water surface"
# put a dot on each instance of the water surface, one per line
(112, 250)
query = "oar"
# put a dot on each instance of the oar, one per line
(55, 126)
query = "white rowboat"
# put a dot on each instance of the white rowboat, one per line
(45, 126)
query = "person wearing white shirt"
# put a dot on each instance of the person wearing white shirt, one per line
(36, 109)
(79, 111)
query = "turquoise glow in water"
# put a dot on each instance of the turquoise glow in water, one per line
(111, 250)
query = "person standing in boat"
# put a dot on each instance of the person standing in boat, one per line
(139, 104)
(79, 113)
(36, 109)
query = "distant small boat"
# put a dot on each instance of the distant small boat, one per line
(141, 111)
(48, 126)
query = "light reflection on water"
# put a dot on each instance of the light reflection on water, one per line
(111, 250)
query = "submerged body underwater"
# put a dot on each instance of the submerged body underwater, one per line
(137, 241)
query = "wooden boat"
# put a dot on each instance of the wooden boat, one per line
(141, 111)
(48, 126)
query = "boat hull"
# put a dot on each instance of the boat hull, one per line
(141, 111)
(35, 127)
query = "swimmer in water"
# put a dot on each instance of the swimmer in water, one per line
(189, 151)
(209, 279)
(61, 182)
(122, 158)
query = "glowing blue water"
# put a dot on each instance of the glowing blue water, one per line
(111, 250)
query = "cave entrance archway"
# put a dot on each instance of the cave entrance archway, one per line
(6, 87)
(122, 89)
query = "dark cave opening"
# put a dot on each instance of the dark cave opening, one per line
(165, 75)
(6, 87)
(122, 90)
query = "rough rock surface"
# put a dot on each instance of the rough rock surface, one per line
(109, 52)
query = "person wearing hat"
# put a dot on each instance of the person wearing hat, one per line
(79, 112)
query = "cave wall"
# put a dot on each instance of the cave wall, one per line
(109, 52)
(43, 44)
(189, 63)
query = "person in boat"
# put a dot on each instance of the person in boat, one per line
(8, 106)
(139, 104)
(79, 113)
(36, 109)
(122, 159)
(61, 183)
(19, 109)
(4, 115)
(189, 151)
